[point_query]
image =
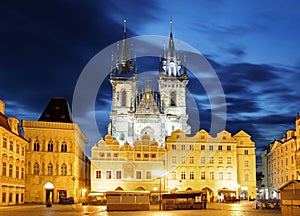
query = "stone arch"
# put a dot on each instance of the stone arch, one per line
(119, 189)
(140, 188)
(209, 193)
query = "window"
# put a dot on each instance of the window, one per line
(36, 146)
(202, 147)
(11, 145)
(23, 151)
(3, 197)
(4, 169)
(98, 174)
(146, 155)
(138, 174)
(138, 155)
(148, 175)
(18, 149)
(63, 147)
(173, 159)
(153, 155)
(228, 148)
(182, 147)
(219, 147)
(173, 147)
(4, 142)
(220, 175)
(173, 98)
(211, 175)
(17, 171)
(241, 142)
(211, 148)
(63, 169)
(191, 147)
(192, 159)
(245, 152)
(50, 146)
(116, 155)
(182, 159)
(202, 160)
(22, 173)
(108, 174)
(118, 174)
(246, 177)
(228, 160)
(108, 155)
(220, 160)
(36, 169)
(202, 175)
(123, 102)
(174, 175)
(228, 175)
(246, 163)
(192, 175)
(182, 174)
(211, 160)
(50, 169)
(10, 171)
(10, 197)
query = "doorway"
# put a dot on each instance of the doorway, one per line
(49, 195)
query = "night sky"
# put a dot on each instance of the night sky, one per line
(253, 46)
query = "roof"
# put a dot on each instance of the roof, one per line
(57, 110)
(4, 123)
(288, 183)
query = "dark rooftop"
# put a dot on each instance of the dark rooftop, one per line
(57, 110)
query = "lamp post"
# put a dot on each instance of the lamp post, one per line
(160, 200)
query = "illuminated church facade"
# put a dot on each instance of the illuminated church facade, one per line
(149, 145)
(136, 112)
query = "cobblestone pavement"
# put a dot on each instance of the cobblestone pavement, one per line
(213, 209)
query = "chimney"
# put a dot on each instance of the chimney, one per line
(2, 107)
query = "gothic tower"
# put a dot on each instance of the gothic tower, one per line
(124, 91)
(172, 87)
(156, 113)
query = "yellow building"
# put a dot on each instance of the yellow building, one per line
(12, 154)
(201, 162)
(281, 162)
(127, 167)
(214, 164)
(56, 162)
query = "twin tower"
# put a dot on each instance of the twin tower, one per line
(156, 112)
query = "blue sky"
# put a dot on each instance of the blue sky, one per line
(252, 45)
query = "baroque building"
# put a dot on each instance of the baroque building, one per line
(157, 113)
(281, 162)
(12, 154)
(56, 163)
(149, 146)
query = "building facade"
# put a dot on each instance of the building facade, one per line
(149, 146)
(56, 163)
(12, 154)
(214, 164)
(127, 167)
(157, 113)
(281, 162)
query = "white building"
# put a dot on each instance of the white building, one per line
(157, 112)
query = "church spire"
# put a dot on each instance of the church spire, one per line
(171, 65)
(124, 65)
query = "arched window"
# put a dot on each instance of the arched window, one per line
(50, 169)
(36, 169)
(64, 147)
(173, 98)
(63, 170)
(50, 146)
(36, 146)
(123, 102)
